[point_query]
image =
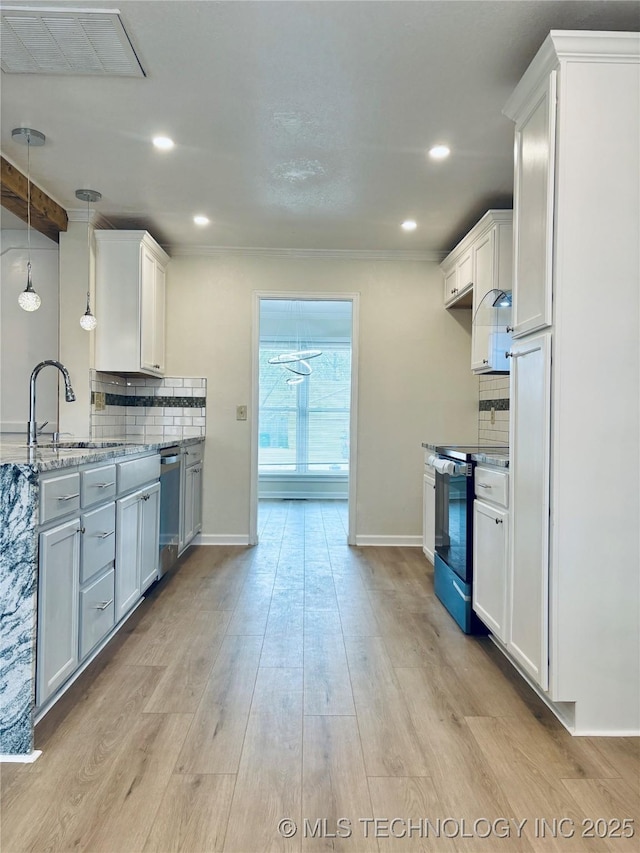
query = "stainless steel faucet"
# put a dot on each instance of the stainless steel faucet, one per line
(69, 396)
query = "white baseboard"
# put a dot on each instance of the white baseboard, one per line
(221, 539)
(399, 541)
(29, 758)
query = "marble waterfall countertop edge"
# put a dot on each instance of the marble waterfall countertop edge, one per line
(13, 451)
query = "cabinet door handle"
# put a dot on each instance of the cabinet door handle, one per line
(510, 329)
(81, 530)
(483, 486)
(103, 605)
(69, 497)
(485, 361)
(157, 366)
(105, 535)
(524, 352)
(498, 521)
(104, 485)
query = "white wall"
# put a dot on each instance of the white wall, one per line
(415, 382)
(27, 337)
(76, 345)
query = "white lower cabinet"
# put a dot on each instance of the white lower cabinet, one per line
(429, 515)
(137, 525)
(149, 536)
(127, 588)
(97, 611)
(96, 559)
(528, 639)
(191, 494)
(192, 502)
(490, 566)
(58, 607)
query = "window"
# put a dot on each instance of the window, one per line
(304, 428)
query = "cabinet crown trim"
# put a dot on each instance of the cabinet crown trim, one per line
(110, 236)
(490, 218)
(571, 45)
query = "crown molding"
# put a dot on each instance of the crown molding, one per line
(562, 46)
(92, 216)
(308, 254)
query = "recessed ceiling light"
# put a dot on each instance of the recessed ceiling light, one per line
(201, 220)
(163, 143)
(409, 225)
(439, 152)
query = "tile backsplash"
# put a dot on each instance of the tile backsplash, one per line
(494, 396)
(146, 407)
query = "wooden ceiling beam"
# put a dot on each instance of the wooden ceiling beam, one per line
(47, 216)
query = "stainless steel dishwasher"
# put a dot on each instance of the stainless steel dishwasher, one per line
(170, 476)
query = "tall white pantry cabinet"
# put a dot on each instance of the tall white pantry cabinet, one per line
(574, 590)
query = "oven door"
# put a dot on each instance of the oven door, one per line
(454, 519)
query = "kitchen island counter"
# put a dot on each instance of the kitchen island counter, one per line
(20, 470)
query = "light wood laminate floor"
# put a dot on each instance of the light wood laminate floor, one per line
(309, 681)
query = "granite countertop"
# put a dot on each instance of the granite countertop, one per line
(496, 458)
(13, 451)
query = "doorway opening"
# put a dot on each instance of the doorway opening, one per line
(303, 416)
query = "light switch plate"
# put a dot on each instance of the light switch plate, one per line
(241, 413)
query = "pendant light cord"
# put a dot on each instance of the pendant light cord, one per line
(88, 257)
(29, 206)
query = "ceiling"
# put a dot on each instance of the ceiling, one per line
(299, 125)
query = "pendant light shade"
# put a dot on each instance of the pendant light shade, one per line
(28, 300)
(88, 320)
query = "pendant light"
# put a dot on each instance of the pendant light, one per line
(88, 321)
(28, 300)
(296, 360)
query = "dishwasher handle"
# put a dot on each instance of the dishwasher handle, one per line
(169, 460)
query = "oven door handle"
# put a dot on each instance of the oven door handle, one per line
(461, 592)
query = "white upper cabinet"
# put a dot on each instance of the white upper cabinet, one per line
(130, 302)
(535, 139)
(458, 276)
(492, 259)
(476, 272)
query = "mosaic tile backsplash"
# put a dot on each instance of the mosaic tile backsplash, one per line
(147, 408)
(494, 394)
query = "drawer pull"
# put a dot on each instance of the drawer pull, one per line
(483, 486)
(103, 605)
(69, 497)
(498, 521)
(104, 535)
(461, 592)
(104, 485)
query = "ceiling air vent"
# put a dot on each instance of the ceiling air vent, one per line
(69, 41)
